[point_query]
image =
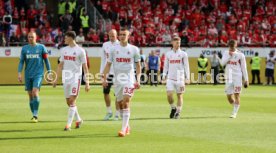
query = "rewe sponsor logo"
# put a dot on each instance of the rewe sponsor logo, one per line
(29, 56)
(70, 58)
(123, 60)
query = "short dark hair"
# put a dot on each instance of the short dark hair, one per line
(232, 42)
(71, 34)
(256, 54)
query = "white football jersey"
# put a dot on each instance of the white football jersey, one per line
(235, 65)
(176, 65)
(270, 64)
(123, 59)
(107, 46)
(73, 58)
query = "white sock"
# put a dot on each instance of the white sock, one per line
(78, 118)
(109, 109)
(178, 109)
(117, 113)
(71, 114)
(236, 108)
(121, 113)
(172, 106)
(126, 115)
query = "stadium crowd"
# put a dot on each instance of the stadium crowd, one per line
(205, 23)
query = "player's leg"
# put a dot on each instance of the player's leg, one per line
(71, 102)
(170, 90)
(180, 88)
(125, 109)
(117, 114)
(28, 88)
(36, 84)
(71, 94)
(236, 95)
(107, 98)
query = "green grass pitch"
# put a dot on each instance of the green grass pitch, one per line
(204, 126)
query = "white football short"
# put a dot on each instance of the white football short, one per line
(71, 88)
(122, 90)
(177, 86)
(234, 86)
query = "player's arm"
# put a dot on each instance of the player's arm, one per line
(137, 59)
(105, 72)
(103, 61)
(225, 59)
(199, 65)
(83, 59)
(138, 73)
(166, 67)
(59, 69)
(244, 70)
(187, 69)
(20, 65)
(107, 68)
(46, 59)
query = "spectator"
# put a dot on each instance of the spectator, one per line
(202, 63)
(23, 38)
(80, 38)
(59, 39)
(7, 21)
(23, 19)
(31, 16)
(84, 22)
(93, 37)
(212, 29)
(66, 20)
(167, 38)
(153, 63)
(224, 39)
(13, 39)
(39, 4)
(2, 39)
(185, 39)
(246, 40)
(255, 68)
(158, 39)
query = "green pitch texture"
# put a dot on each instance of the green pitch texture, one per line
(204, 126)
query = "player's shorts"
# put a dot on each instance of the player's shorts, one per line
(233, 87)
(177, 86)
(72, 88)
(269, 72)
(31, 83)
(106, 90)
(122, 90)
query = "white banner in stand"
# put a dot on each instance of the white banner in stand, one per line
(96, 51)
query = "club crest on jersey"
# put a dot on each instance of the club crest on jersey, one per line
(74, 53)
(128, 52)
(117, 52)
(7, 52)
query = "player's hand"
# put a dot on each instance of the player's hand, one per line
(137, 85)
(87, 87)
(245, 84)
(54, 84)
(187, 81)
(104, 84)
(20, 78)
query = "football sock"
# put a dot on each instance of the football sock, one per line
(178, 109)
(172, 106)
(71, 114)
(35, 106)
(109, 109)
(236, 108)
(117, 113)
(126, 115)
(78, 118)
(32, 106)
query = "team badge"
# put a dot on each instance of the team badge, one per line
(74, 53)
